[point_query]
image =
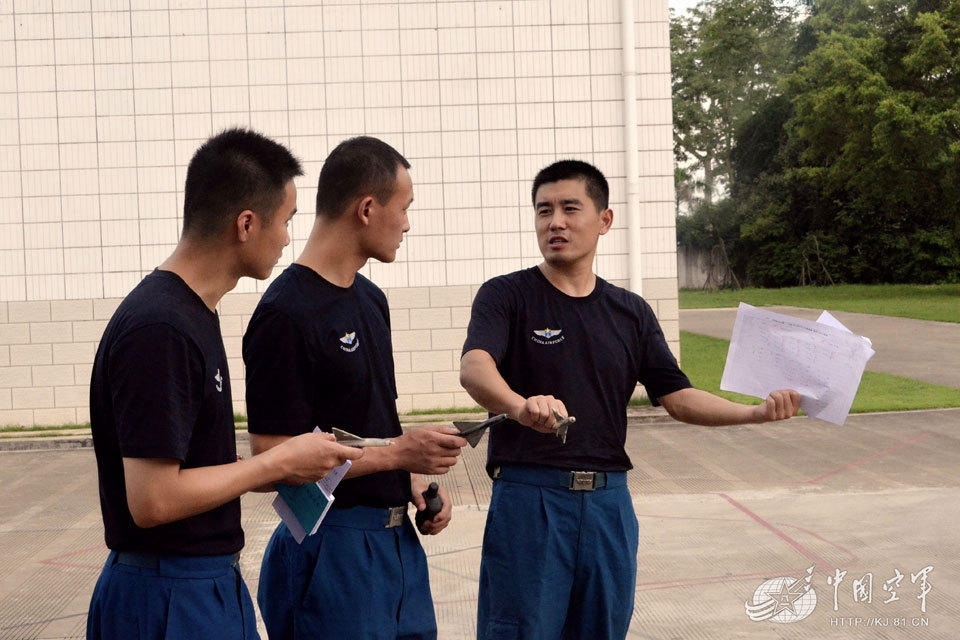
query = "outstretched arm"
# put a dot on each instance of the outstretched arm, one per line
(695, 406)
(428, 450)
(480, 377)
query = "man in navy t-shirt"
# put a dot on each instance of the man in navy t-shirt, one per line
(162, 415)
(560, 545)
(318, 353)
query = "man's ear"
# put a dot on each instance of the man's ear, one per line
(246, 222)
(364, 210)
(606, 220)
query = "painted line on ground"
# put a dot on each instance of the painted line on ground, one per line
(879, 454)
(55, 561)
(810, 555)
(34, 623)
(692, 582)
(853, 557)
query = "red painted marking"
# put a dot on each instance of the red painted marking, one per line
(820, 562)
(853, 556)
(71, 565)
(671, 584)
(662, 517)
(873, 457)
(55, 560)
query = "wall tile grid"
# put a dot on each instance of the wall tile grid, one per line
(102, 103)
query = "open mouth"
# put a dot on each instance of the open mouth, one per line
(557, 242)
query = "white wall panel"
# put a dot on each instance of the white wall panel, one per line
(101, 110)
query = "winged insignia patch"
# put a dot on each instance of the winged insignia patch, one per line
(547, 333)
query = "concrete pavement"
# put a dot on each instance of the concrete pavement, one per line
(721, 511)
(919, 349)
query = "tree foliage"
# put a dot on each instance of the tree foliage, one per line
(726, 58)
(850, 172)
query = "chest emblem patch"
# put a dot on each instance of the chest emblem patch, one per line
(350, 342)
(219, 380)
(548, 336)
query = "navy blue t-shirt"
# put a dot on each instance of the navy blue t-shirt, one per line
(161, 389)
(321, 355)
(588, 352)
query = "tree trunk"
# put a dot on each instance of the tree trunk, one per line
(708, 178)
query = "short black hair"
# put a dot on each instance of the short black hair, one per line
(357, 167)
(597, 187)
(234, 171)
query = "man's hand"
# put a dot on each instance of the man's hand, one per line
(428, 450)
(779, 405)
(439, 522)
(536, 412)
(310, 456)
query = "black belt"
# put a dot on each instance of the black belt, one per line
(145, 560)
(572, 480)
(360, 517)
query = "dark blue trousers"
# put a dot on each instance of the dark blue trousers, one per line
(354, 579)
(557, 563)
(171, 598)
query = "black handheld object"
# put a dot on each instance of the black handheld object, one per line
(473, 431)
(434, 505)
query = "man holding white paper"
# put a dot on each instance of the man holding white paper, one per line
(318, 353)
(560, 545)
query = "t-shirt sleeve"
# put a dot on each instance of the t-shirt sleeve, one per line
(385, 310)
(278, 372)
(155, 378)
(658, 369)
(489, 328)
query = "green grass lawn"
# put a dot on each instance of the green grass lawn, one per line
(438, 412)
(58, 427)
(703, 359)
(923, 302)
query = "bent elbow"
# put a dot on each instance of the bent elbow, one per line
(145, 519)
(147, 514)
(466, 377)
(674, 409)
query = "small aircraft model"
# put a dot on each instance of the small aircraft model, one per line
(562, 425)
(347, 439)
(473, 431)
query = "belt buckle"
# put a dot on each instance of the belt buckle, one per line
(583, 480)
(395, 517)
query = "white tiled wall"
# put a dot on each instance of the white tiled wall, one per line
(102, 103)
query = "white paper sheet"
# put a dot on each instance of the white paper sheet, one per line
(823, 361)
